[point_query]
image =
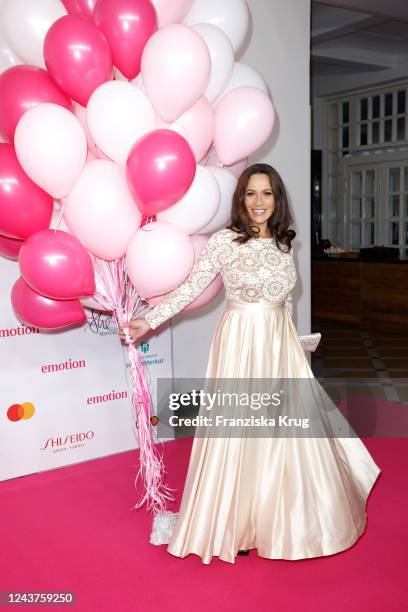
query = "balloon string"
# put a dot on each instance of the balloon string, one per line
(204, 161)
(62, 201)
(116, 293)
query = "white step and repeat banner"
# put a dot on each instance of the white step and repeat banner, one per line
(64, 396)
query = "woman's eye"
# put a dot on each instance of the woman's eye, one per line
(268, 193)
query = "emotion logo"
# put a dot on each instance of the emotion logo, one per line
(16, 412)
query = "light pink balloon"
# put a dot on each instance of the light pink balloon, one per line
(176, 70)
(55, 264)
(80, 8)
(127, 25)
(159, 257)
(77, 56)
(236, 169)
(117, 115)
(244, 120)
(209, 292)
(171, 11)
(197, 127)
(100, 210)
(35, 309)
(51, 147)
(10, 247)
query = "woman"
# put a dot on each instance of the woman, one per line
(288, 497)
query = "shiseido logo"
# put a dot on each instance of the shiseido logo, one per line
(101, 323)
(23, 330)
(68, 442)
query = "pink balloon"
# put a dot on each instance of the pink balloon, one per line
(55, 264)
(80, 8)
(159, 170)
(21, 88)
(127, 25)
(244, 120)
(197, 126)
(158, 258)
(35, 309)
(171, 11)
(10, 247)
(24, 207)
(77, 56)
(236, 169)
(176, 69)
(209, 292)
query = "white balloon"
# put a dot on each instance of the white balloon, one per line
(25, 25)
(222, 58)
(7, 57)
(198, 206)
(117, 115)
(100, 210)
(226, 183)
(243, 76)
(231, 16)
(51, 147)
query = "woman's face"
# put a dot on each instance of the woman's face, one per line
(259, 199)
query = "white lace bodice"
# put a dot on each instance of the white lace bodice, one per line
(256, 271)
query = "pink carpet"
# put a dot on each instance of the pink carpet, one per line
(71, 529)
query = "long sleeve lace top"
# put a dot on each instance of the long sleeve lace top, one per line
(256, 271)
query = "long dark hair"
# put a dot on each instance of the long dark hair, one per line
(278, 222)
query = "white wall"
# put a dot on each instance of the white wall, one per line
(279, 50)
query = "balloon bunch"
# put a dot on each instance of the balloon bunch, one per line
(133, 119)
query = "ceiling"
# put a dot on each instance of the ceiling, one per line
(351, 37)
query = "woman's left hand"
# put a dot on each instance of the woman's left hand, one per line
(134, 330)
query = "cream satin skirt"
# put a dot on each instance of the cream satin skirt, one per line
(289, 498)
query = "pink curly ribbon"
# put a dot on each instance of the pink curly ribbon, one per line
(116, 293)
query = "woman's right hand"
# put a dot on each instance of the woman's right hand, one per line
(135, 329)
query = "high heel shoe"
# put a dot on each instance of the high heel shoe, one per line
(243, 553)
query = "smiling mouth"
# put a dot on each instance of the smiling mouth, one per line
(258, 211)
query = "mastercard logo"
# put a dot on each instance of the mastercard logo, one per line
(16, 412)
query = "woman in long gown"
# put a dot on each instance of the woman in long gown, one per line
(288, 497)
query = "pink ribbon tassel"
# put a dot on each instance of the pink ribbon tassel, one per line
(116, 293)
